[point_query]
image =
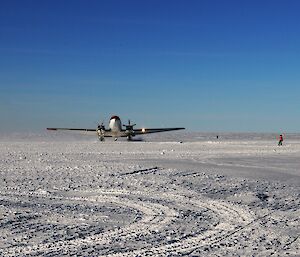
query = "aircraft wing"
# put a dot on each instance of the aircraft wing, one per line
(153, 130)
(107, 133)
(74, 129)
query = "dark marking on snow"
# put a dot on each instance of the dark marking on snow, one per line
(144, 171)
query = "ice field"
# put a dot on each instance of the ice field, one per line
(174, 194)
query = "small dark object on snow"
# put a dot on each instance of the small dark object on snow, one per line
(262, 196)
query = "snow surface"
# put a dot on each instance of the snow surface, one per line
(174, 194)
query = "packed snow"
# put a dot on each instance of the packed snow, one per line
(172, 194)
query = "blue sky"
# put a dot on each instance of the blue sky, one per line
(206, 65)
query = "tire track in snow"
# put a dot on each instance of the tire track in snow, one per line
(229, 217)
(156, 217)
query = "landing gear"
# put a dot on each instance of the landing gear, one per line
(129, 137)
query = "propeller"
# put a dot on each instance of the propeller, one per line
(101, 126)
(129, 126)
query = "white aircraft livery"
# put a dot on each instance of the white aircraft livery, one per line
(115, 129)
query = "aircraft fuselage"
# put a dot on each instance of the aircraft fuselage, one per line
(115, 124)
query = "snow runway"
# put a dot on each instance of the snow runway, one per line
(149, 199)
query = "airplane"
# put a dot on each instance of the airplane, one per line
(115, 130)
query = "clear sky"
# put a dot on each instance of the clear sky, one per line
(206, 65)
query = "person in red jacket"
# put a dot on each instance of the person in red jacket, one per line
(280, 140)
